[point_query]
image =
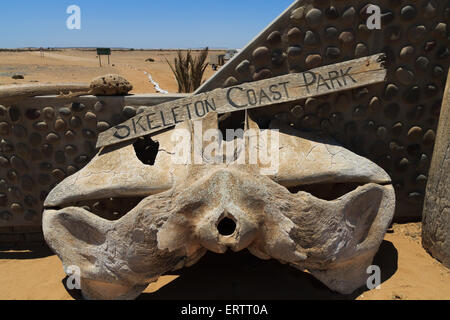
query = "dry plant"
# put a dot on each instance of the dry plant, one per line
(189, 70)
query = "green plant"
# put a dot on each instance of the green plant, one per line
(189, 70)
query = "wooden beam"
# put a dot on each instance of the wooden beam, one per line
(321, 81)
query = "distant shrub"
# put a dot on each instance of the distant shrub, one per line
(150, 60)
(189, 70)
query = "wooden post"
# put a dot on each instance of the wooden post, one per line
(436, 212)
(100, 60)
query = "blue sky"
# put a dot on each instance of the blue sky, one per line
(136, 23)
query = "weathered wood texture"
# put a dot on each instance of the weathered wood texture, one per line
(321, 81)
(436, 214)
(33, 90)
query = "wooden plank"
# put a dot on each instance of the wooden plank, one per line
(321, 81)
(33, 90)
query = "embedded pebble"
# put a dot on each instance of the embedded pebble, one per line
(274, 38)
(70, 150)
(311, 39)
(422, 63)
(70, 135)
(77, 107)
(408, 12)
(90, 117)
(263, 74)
(391, 91)
(438, 72)
(88, 134)
(294, 35)
(17, 208)
(441, 30)
(58, 174)
(33, 114)
(261, 56)
(18, 163)
(332, 13)
(429, 137)
(314, 17)
(75, 122)
(49, 112)
(407, 52)
(14, 114)
(346, 37)
(331, 33)
(278, 57)
(4, 162)
(374, 104)
(361, 50)
(52, 137)
(129, 112)
(333, 52)
(294, 51)
(431, 90)
(102, 126)
(231, 81)
(60, 125)
(243, 67)
(405, 76)
(298, 14)
(349, 15)
(393, 33)
(415, 133)
(313, 60)
(3, 112)
(443, 53)
(41, 126)
(403, 164)
(3, 200)
(430, 10)
(65, 112)
(99, 105)
(429, 46)
(4, 129)
(417, 33)
(47, 150)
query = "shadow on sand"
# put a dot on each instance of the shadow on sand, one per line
(24, 252)
(241, 276)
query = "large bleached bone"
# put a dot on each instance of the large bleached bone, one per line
(296, 216)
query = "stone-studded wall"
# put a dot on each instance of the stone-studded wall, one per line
(44, 140)
(394, 124)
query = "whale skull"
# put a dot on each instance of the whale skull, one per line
(125, 223)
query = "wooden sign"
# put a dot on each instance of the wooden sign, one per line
(103, 52)
(321, 81)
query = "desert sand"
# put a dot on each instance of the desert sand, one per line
(408, 273)
(71, 65)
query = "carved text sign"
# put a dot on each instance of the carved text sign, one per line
(321, 81)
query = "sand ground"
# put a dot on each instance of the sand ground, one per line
(408, 273)
(81, 66)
